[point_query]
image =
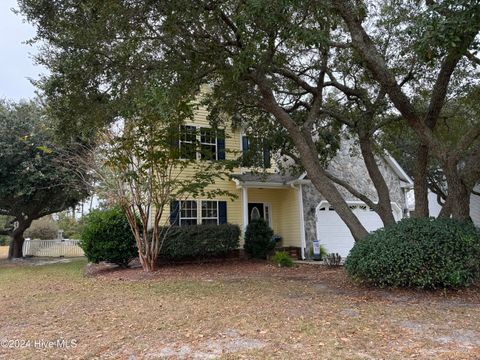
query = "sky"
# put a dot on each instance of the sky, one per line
(16, 62)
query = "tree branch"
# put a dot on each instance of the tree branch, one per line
(352, 191)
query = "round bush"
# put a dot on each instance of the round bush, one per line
(258, 239)
(106, 236)
(44, 228)
(418, 253)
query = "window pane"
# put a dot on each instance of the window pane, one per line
(207, 135)
(208, 152)
(209, 209)
(187, 151)
(186, 222)
(210, 221)
(188, 139)
(188, 213)
(208, 144)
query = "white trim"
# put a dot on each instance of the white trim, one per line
(302, 221)
(357, 202)
(398, 169)
(269, 206)
(260, 184)
(199, 210)
(245, 208)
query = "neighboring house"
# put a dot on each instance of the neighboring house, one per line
(290, 204)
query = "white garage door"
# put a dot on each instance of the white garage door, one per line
(334, 234)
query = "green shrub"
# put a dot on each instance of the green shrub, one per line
(258, 239)
(44, 228)
(4, 240)
(418, 253)
(70, 226)
(106, 236)
(199, 241)
(282, 259)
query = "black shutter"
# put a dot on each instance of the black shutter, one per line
(244, 145)
(222, 212)
(220, 144)
(175, 213)
(266, 158)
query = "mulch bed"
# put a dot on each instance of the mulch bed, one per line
(332, 279)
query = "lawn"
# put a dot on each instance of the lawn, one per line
(235, 310)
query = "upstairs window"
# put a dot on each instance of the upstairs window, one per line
(201, 143)
(188, 142)
(208, 144)
(255, 153)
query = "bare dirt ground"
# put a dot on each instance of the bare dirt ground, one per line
(230, 310)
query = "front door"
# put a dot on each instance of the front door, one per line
(255, 211)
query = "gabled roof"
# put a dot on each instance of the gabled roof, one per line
(394, 165)
(402, 175)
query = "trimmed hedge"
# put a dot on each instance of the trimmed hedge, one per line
(199, 241)
(106, 236)
(258, 239)
(418, 253)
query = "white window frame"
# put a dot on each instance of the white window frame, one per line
(215, 143)
(180, 217)
(199, 215)
(217, 218)
(182, 141)
(198, 138)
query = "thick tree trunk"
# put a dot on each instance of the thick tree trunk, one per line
(458, 199)
(16, 244)
(384, 208)
(420, 186)
(318, 176)
(302, 139)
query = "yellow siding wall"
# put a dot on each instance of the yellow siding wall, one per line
(284, 206)
(232, 149)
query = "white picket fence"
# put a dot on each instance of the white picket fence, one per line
(52, 248)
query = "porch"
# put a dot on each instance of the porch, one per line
(278, 200)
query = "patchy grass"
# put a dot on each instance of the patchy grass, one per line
(232, 310)
(3, 252)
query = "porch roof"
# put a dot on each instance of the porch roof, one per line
(263, 180)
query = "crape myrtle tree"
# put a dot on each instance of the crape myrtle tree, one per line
(281, 65)
(139, 165)
(34, 182)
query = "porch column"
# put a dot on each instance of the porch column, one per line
(301, 220)
(245, 208)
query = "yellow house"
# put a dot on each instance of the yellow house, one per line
(276, 198)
